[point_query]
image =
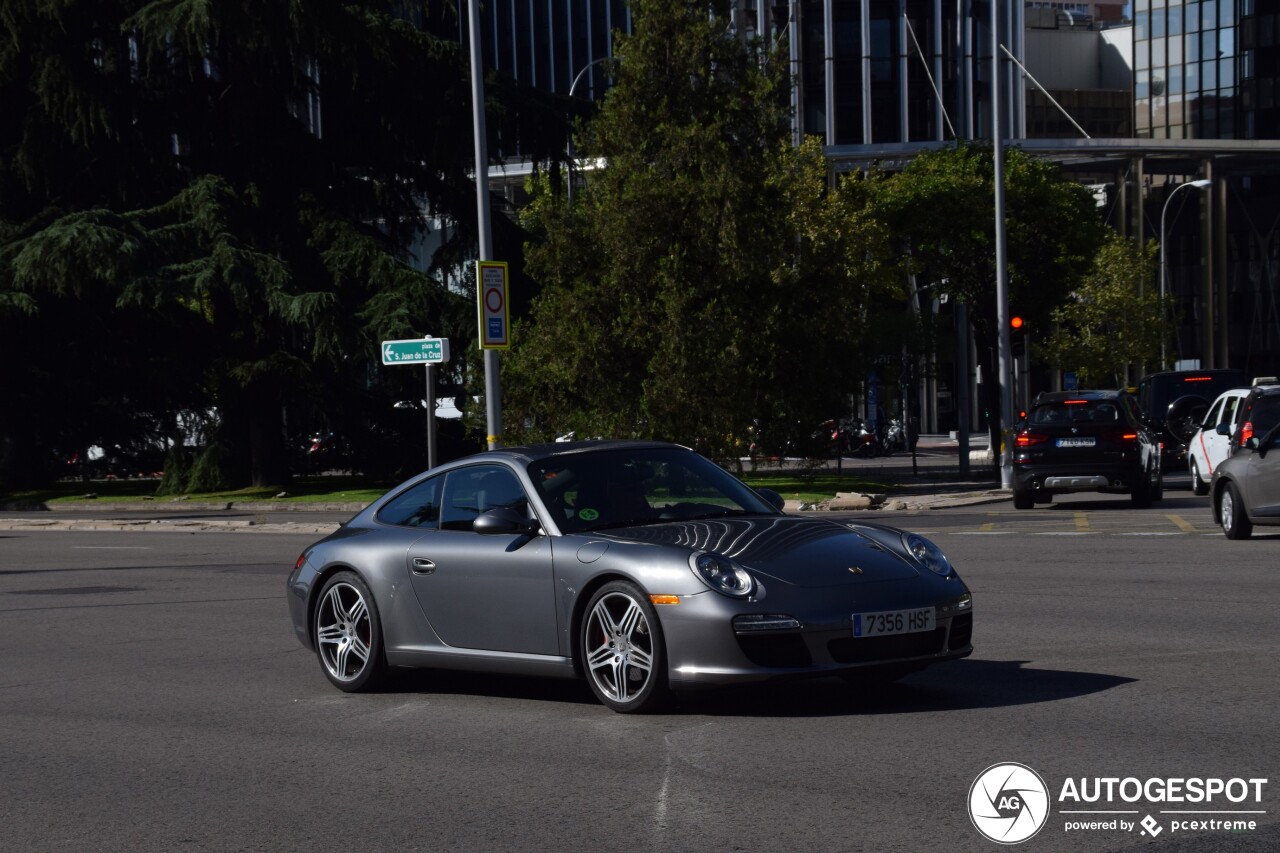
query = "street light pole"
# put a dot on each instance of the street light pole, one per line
(1164, 260)
(569, 147)
(492, 382)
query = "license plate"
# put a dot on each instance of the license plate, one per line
(1077, 442)
(894, 622)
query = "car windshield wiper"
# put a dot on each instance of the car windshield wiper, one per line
(627, 522)
(721, 513)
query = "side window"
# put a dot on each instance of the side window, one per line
(417, 506)
(1227, 415)
(476, 489)
(1214, 417)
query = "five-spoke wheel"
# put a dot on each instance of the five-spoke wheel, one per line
(622, 649)
(348, 634)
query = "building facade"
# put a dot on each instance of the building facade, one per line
(1182, 89)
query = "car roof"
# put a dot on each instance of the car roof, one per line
(1059, 396)
(1208, 371)
(530, 452)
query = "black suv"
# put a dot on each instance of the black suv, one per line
(1173, 404)
(1246, 486)
(1086, 441)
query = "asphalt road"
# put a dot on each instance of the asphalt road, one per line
(153, 697)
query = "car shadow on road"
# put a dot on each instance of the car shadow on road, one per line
(958, 686)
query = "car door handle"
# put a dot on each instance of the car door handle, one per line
(423, 566)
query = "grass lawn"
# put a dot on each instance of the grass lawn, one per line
(791, 485)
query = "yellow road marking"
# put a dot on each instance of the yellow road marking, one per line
(990, 525)
(1183, 524)
(1082, 521)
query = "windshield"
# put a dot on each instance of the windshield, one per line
(1075, 411)
(596, 490)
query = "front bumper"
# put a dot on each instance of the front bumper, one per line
(705, 650)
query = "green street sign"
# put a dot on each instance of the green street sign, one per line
(416, 351)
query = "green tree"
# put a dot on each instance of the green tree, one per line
(706, 277)
(941, 210)
(1113, 319)
(242, 180)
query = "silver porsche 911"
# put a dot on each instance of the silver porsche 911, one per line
(641, 566)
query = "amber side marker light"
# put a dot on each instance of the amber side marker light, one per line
(665, 599)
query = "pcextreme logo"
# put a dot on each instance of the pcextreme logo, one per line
(1008, 803)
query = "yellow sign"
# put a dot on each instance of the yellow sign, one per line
(491, 296)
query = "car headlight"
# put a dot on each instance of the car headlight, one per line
(927, 554)
(722, 574)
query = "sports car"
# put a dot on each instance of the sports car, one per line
(642, 567)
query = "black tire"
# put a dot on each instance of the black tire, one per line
(1199, 485)
(1184, 417)
(1022, 499)
(1231, 515)
(623, 651)
(1042, 498)
(1157, 491)
(347, 633)
(1141, 494)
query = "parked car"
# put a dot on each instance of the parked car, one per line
(1246, 486)
(1210, 444)
(639, 566)
(1173, 403)
(1083, 441)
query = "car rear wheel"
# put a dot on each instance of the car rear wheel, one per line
(1142, 493)
(1199, 486)
(622, 650)
(1022, 499)
(1231, 514)
(348, 634)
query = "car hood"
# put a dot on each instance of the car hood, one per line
(806, 552)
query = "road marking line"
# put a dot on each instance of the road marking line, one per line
(1147, 534)
(984, 533)
(1182, 523)
(988, 527)
(1067, 533)
(1082, 522)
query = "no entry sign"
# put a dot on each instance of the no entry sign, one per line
(491, 293)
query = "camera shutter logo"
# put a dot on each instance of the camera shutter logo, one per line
(1008, 803)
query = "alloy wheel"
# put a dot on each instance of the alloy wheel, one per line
(619, 647)
(344, 632)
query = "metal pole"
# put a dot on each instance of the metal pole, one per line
(1002, 264)
(492, 385)
(431, 416)
(1164, 262)
(963, 416)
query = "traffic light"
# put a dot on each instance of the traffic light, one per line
(1015, 323)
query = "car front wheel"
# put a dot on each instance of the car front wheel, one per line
(622, 650)
(348, 634)
(1231, 514)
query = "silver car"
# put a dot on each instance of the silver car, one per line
(640, 566)
(1246, 486)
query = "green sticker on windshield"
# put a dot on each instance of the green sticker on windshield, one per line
(588, 514)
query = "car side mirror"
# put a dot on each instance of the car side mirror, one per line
(503, 521)
(774, 499)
